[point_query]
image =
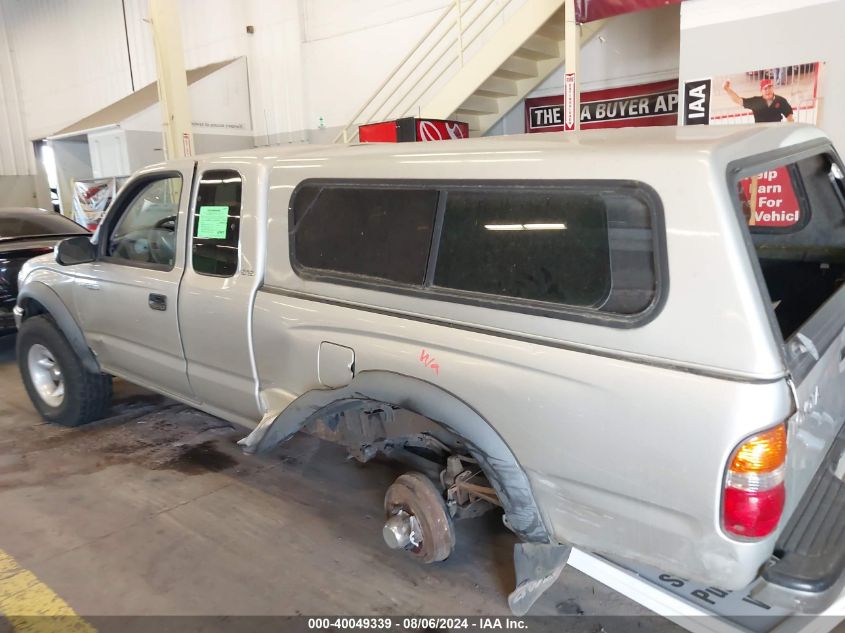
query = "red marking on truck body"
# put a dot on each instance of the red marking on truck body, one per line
(429, 361)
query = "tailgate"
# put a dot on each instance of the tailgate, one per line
(809, 559)
(807, 570)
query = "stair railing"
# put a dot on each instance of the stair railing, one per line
(455, 30)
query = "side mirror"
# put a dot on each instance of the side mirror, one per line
(76, 250)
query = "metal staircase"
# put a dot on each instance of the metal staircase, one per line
(478, 60)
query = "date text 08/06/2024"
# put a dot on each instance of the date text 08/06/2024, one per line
(415, 623)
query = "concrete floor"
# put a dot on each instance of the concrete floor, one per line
(156, 511)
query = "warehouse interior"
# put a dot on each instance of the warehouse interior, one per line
(163, 507)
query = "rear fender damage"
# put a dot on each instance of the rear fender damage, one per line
(371, 389)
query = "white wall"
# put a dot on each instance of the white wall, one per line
(220, 105)
(718, 37)
(276, 77)
(215, 30)
(350, 51)
(17, 191)
(144, 148)
(15, 159)
(307, 58)
(109, 154)
(71, 59)
(73, 162)
(631, 49)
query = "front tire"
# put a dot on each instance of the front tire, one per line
(61, 388)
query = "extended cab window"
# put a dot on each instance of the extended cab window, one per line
(217, 222)
(796, 215)
(145, 233)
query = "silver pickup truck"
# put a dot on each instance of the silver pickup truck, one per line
(631, 342)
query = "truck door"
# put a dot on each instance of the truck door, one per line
(127, 299)
(222, 274)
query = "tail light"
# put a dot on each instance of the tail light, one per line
(754, 495)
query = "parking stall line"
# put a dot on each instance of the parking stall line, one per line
(30, 605)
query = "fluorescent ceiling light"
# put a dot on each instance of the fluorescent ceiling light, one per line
(559, 226)
(537, 226)
(504, 227)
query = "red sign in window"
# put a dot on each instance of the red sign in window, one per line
(769, 199)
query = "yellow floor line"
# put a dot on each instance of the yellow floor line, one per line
(31, 606)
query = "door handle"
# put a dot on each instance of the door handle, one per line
(158, 302)
(90, 285)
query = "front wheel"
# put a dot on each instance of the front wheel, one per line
(61, 388)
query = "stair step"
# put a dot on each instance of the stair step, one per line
(517, 68)
(539, 47)
(473, 120)
(479, 105)
(498, 87)
(554, 27)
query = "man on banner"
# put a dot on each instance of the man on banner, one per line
(767, 108)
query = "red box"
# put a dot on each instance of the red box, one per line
(412, 129)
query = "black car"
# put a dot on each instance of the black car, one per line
(25, 233)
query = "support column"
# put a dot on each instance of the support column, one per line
(572, 52)
(172, 81)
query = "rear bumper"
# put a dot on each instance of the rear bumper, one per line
(807, 573)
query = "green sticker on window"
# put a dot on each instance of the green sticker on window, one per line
(213, 222)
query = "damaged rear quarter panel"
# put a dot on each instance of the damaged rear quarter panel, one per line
(607, 472)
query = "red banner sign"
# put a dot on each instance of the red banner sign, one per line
(589, 10)
(631, 106)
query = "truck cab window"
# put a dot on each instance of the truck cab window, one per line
(145, 233)
(217, 221)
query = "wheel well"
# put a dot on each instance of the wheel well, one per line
(36, 298)
(369, 427)
(364, 422)
(32, 308)
(443, 410)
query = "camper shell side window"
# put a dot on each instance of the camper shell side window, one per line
(586, 250)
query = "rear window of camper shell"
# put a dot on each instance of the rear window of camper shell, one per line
(795, 213)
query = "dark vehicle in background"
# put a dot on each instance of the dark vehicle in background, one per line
(26, 233)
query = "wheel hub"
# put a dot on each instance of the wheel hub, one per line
(402, 531)
(46, 375)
